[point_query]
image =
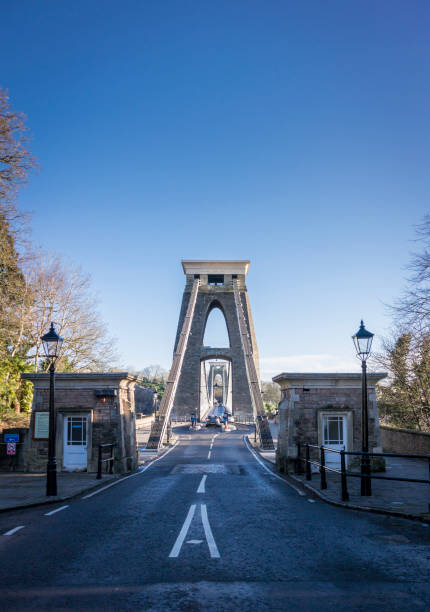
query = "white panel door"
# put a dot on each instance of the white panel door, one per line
(75, 442)
(334, 436)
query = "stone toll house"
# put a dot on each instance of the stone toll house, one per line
(91, 409)
(325, 409)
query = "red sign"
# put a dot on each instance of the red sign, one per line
(11, 448)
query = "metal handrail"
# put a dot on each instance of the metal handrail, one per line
(110, 459)
(344, 473)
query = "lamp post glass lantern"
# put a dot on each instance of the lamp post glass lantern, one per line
(363, 345)
(51, 345)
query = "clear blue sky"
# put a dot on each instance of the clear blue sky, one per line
(293, 134)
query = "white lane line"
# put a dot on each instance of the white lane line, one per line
(201, 488)
(311, 501)
(146, 467)
(183, 533)
(209, 454)
(54, 511)
(208, 533)
(270, 471)
(12, 531)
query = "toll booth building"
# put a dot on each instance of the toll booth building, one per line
(91, 409)
(325, 409)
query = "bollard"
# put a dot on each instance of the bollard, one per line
(308, 464)
(99, 463)
(322, 469)
(345, 496)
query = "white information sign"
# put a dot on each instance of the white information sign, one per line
(41, 425)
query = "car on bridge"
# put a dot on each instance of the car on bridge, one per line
(215, 417)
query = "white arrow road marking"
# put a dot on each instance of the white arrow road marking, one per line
(182, 534)
(208, 533)
(213, 550)
(12, 531)
(54, 511)
(201, 488)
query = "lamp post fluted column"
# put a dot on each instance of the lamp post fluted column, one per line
(366, 485)
(363, 344)
(52, 344)
(51, 470)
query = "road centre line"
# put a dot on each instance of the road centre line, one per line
(54, 511)
(12, 531)
(253, 453)
(183, 533)
(141, 471)
(201, 488)
(209, 454)
(208, 533)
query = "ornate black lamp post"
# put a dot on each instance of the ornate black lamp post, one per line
(363, 344)
(51, 345)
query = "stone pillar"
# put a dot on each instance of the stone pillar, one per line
(215, 296)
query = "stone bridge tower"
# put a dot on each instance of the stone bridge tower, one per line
(215, 290)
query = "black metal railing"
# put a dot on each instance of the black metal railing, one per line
(343, 472)
(108, 460)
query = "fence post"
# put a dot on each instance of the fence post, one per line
(99, 463)
(308, 464)
(429, 477)
(111, 459)
(322, 469)
(345, 496)
(297, 464)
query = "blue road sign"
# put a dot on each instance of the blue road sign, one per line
(11, 438)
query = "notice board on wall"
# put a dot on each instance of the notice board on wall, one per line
(41, 426)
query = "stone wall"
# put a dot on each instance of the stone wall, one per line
(14, 463)
(405, 441)
(145, 399)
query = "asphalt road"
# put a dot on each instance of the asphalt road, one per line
(240, 539)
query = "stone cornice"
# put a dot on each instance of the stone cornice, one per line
(323, 379)
(89, 379)
(209, 266)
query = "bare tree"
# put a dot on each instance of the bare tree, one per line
(62, 294)
(16, 160)
(412, 310)
(154, 372)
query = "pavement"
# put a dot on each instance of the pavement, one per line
(19, 490)
(407, 499)
(210, 526)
